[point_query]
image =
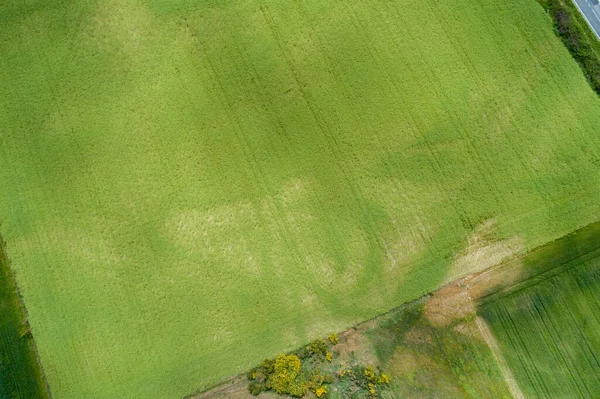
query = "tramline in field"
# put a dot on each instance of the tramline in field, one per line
(189, 187)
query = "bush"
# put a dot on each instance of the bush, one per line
(255, 389)
(333, 338)
(303, 353)
(286, 376)
(320, 391)
(318, 347)
(261, 373)
(369, 379)
(292, 376)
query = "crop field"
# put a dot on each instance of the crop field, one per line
(550, 333)
(187, 187)
(501, 333)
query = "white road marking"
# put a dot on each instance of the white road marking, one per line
(586, 18)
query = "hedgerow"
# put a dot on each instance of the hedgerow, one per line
(577, 37)
(314, 368)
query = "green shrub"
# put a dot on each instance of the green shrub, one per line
(255, 389)
(303, 353)
(261, 373)
(318, 347)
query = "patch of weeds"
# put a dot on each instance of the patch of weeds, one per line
(367, 379)
(391, 330)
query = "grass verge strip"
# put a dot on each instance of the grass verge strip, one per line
(575, 33)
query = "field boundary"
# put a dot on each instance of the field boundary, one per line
(584, 247)
(578, 37)
(541, 263)
(17, 344)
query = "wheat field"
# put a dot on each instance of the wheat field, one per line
(187, 187)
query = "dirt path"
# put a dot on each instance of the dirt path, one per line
(235, 388)
(490, 340)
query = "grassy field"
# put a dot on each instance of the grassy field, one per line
(533, 319)
(186, 188)
(549, 333)
(20, 374)
(540, 310)
(524, 328)
(426, 360)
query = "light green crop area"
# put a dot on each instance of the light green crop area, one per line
(189, 186)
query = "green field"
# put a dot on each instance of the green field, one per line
(550, 333)
(527, 328)
(187, 187)
(533, 320)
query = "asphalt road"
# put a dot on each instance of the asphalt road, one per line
(591, 13)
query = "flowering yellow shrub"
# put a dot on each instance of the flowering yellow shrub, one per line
(345, 371)
(285, 375)
(333, 338)
(318, 347)
(372, 389)
(320, 391)
(370, 373)
(383, 379)
(311, 369)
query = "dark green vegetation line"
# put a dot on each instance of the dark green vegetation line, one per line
(20, 374)
(550, 260)
(575, 33)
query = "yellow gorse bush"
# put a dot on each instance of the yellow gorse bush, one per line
(333, 338)
(383, 379)
(285, 375)
(320, 391)
(370, 373)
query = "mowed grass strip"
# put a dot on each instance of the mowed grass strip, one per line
(188, 188)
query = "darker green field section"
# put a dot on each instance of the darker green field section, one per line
(549, 328)
(20, 375)
(548, 261)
